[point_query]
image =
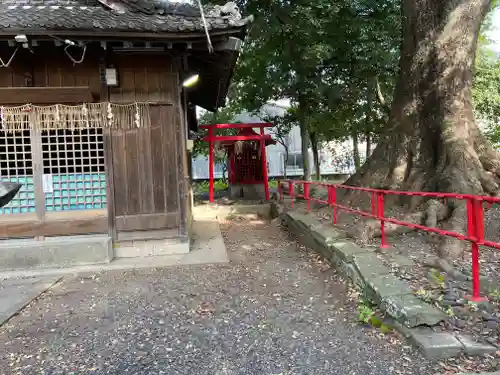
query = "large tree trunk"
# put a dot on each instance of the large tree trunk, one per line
(369, 117)
(432, 142)
(355, 149)
(285, 161)
(315, 151)
(304, 135)
(368, 139)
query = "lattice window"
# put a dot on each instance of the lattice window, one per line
(16, 165)
(73, 166)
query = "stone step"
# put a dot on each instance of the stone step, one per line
(364, 267)
(63, 251)
(409, 314)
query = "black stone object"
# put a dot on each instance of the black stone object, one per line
(8, 191)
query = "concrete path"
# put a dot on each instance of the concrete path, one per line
(274, 309)
(15, 294)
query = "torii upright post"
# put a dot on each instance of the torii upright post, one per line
(264, 162)
(211, 162)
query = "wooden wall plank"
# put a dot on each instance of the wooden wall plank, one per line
(144, 78)
(172, 188)
(167, 181)
(50, 67)
(67, 73)
(148, 185)
(153, 83)
(158, 153)
(143, 144)
(119, 172)
(6, 78)
(40, 73)
(131, 160)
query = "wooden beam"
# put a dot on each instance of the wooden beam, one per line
(238, 125)
(147, 221)
(161, 234)
(58, 227)
(219, 138)
(124, 35)
(45, 95)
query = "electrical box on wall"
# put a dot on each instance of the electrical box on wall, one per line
(111, 76)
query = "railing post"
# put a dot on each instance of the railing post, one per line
(291, 192)
(380, 215)
(306, 195)
(334, 202)
(475, 230)
(280, 191)
(374, 204)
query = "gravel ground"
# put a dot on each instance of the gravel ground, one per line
(275, 309)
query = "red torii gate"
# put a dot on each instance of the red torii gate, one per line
(247, 136)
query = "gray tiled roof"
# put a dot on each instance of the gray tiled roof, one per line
(124, 15)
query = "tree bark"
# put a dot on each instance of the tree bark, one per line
(432, 142)
(372, 87)
(304, 135)
(315, 151)
(368, 139)
(285, 161)
(355, 149)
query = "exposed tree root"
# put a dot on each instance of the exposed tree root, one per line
(444, 266)
(435, 212)
(367, 230)
(432, 142)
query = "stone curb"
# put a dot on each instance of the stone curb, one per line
(409, 315)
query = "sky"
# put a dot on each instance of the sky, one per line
(495, 33)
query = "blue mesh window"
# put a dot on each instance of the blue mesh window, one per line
(16, 165)
(73, 166)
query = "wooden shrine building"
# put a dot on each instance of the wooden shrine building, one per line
(97, 98)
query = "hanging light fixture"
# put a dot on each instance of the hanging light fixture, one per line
(191, 80)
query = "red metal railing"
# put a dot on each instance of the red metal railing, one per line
(475, 215)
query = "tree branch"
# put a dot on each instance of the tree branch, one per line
(380, 96)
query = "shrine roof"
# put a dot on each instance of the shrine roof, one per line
(248, 132)
(118, 15)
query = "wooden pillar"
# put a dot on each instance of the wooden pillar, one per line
(183, 174)
(264, 162)
(37, 157)
(107, 135)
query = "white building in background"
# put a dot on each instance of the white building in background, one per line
(335, 157)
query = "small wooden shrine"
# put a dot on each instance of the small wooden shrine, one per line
(97, 101)
(246, 158)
